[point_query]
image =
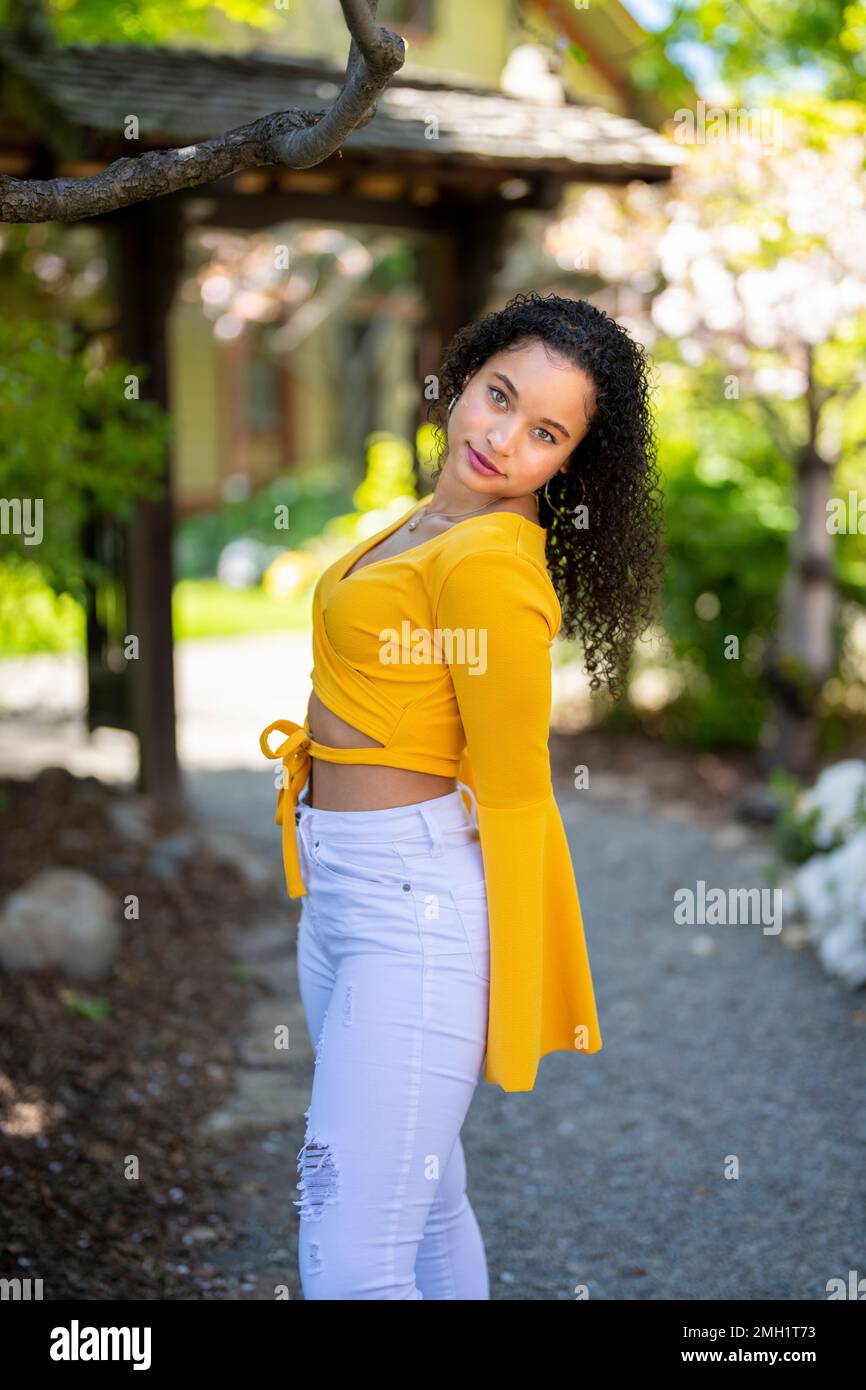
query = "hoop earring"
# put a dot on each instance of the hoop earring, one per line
(451, 404)
(557, 510)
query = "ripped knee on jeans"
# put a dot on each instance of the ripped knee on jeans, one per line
(319, 1176)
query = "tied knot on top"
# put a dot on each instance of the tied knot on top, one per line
(295, 754)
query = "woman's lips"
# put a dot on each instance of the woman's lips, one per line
(481, 465)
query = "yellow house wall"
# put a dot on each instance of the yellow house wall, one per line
(471, 41)
(195, 404)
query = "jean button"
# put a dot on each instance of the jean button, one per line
(406, 887)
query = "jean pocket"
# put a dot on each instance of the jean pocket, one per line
(355, 868)
(470, 902)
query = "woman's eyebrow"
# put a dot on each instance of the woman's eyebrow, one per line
(544, 419)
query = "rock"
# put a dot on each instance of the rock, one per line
(200, 1235)
(88, 785)
(831, 886)
(54, 780)
(228, 848)
(180, 845)
(160, 868)
(117, 864)
(792, 907)
(730, 837)
(761, 806)
(257, 1046)
(129, 817)
(839, 798)
(64, 918)
(264, 1099)
(277, 977)
(842, 952)
(268, 940)
(170, 852)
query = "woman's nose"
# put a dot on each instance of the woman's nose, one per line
(502, 441)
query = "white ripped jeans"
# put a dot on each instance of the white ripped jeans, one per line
(394, 973)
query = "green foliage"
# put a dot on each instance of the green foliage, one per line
(728, 519)
(33, 618)
(314, 495)
(206, 608)
(309, 494)
(794, 831)
(70, 439)
(768, 41)
(81, 1006)
(390, 472)
(148, 21)
(797, 824)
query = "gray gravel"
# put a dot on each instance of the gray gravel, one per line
(721, 1044)
(611, 1173)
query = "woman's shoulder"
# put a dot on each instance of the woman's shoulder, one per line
(491, 535)
(498, 556)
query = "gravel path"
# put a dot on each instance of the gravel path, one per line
(718, 1041)
(720, 1045)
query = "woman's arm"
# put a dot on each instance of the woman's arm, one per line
(503, 608)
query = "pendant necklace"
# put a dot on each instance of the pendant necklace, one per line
(410, 526)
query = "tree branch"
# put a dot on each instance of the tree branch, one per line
(295, 139)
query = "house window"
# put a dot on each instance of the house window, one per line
(413, 16)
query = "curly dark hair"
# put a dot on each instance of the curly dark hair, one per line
(607, 577)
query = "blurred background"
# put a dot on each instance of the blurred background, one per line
(217, 393)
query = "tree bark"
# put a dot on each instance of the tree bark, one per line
(294, 139)
(803, 653)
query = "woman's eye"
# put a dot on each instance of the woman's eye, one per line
(495, 391)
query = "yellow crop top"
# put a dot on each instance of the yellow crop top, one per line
(442, 654)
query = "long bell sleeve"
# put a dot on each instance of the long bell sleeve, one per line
(541, 992)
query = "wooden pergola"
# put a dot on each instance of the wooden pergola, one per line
(445, 162)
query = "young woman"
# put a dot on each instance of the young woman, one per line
(436, 932)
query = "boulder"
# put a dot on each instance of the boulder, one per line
(63, 918)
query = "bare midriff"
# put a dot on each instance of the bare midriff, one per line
(362, 786)
(370, 786)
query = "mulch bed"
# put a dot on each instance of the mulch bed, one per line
(712, 786)
(81, 1097)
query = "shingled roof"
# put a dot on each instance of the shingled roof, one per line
(75, 99)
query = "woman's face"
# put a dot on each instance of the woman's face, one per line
(524, 412)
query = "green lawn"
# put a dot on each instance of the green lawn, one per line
(33, 619)
(206, 608)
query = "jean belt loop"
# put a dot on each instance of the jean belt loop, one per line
(473, 816)
(303, 812)
(434, 828)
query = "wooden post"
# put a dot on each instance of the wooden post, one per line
(455, 269)
(147, 245)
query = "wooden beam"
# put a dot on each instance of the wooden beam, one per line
(147, 247)
(426, 206)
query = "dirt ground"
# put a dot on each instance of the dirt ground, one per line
(711, 785)
(129, 1066)
(81, 1094)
